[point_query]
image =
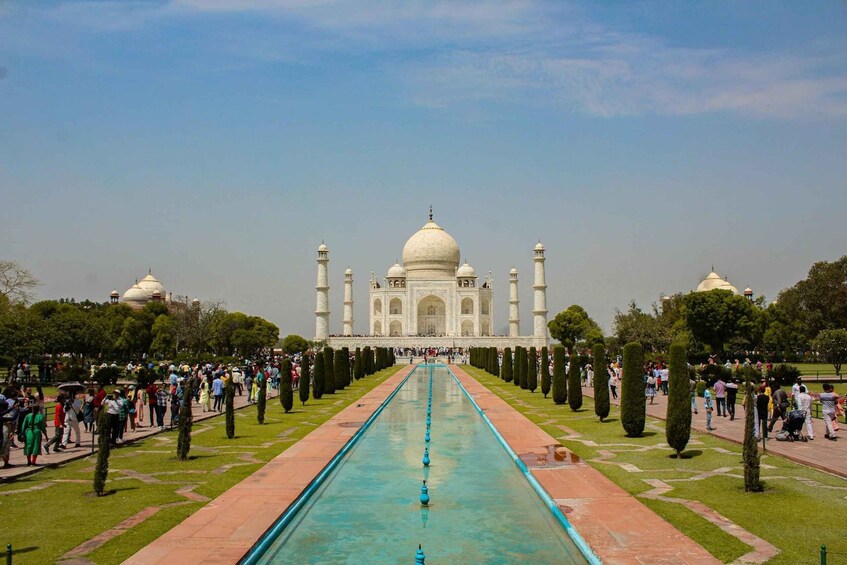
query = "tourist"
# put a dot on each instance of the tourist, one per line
(780, 405)
(123, 413)
(132, 402)
(205, 397)
(152, 390)
(803, 401)
(613, 380)
(238, 380)
(73, 411)
(112, 405)
(707, 406)
(829, 401)
(176, 401)
(33, 428)
(58, 425)
(720, 396)
(795, 388)
(651, 387)
(666, 375)
(248, 384)
(692, 383)
(88, 411)
(218, 391)
(8, 414)
(98, 403)
(731, 396)
(161, 397)
(762, 401)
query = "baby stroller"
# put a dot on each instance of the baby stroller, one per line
(792, 427)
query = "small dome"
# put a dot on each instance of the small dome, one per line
(466, 271)
(114, 293)
(714, 282)
(135, 294)
(196, 302)
(748, 291)
(396, 271)
(539, 247)
(157, 294)
(514, 271)
(323, 247)
(431, 249)
(349, 271)
(150, 284)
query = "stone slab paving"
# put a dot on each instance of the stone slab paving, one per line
(18, 460)
(224, 530)
(823, 454)
(618, 527)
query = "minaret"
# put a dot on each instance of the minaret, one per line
(348, 302)
(539, 310)
(322, 310)
(514, 313)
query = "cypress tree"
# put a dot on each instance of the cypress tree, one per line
(186, 417)
(358, 373)
(601, 382)
(507, 365)
(319, 377)
(286, 393)
(532, 371)
(329, 371)
(524, 368)
(545, 372)
(229, 402)
(750, 451)
(560, 382)
(495, 362)
(574, 386)
(305, 377)
(348, 380)
(339, 369)
(372, 362)
(262, 401)
(678, 424)
(633, 399)
(518, 364)
(104, 447)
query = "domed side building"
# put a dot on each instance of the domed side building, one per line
(714, 281)
(148, 289)
(430, 299)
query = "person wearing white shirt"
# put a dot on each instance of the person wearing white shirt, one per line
(804, 403)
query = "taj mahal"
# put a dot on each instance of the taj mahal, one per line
(430, 300)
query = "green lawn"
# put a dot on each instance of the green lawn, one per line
(45, 524)
(799, 510)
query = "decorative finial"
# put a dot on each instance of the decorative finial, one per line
(149, 270)
(424, 495)
(430, 212)
(426, 457)
(419, 556)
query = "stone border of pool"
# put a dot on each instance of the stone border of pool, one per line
(227, 528)
(617, 527)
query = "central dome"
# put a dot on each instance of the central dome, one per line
(431, 251)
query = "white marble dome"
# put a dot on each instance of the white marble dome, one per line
(150, 285)
(396, 271)
(135, 294)
(714, 282)
(431, 249)
(466, 271)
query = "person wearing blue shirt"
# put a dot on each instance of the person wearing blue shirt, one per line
(218, 390)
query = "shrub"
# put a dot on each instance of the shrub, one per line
(524, 368)
(601, 382)
(750, 451)
(532, 371)
(520, 367)
(700, 388)
(784, 374)
(560, 383)
(262, 401)
(574, 384)
(678, 425)
(105, 376)
(545, 372)
(101, 469)
(286, 393)
(633, 399)
(329, 371)
(319, 375)
(305, 377)
(340, 369)
(230, 410)
(348, 369)
(506, 369)
(358, 370)
(186, 421)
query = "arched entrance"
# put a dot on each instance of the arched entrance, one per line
(432, 316)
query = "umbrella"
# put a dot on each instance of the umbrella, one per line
(72, 387)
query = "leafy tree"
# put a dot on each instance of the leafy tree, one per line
(17, 285)
(545, 372)
(573, 325)
(329, 370)
(750, 450)
(319, 375)
(186, 421)
(506, 370)
(261, 402)
(574, 384)
(293, 343)
(164, 335)
(104, 445)
(647, 329)
(633, 398)
(305, 379)
(678, 425)
(560, 383)
(831, 345)
(601, 381)
(286, 393)
(532, 370)
(718, 316)
(229, 402)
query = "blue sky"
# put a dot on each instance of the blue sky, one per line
(220, 141)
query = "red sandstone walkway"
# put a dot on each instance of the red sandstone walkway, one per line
(224, 530)
(619, 528)
(830, 456)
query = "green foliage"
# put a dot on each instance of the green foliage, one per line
(560, 382)
(573, 325)
(358, 369)
(286, 393)
(574, 384)
(340, 366)
(532, 370)
(305, 379)
(545, 372)
(186, 422)
(831, 345)
(647, 329)
(101, 468)
(261, 402)
(367, 360)
(495, 362)
(750, 450)
(319, 375)
(507, 368)
(718, 316)
(294, 343)
(784, 374)
(329, 370)
(520, 366)
(229, 403)
(633, 399)
(107, 376)
(601, 382)
(678, 425)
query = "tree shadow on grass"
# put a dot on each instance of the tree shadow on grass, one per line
(29, 549)
(690, 454)
(610, 420)
(648, 434)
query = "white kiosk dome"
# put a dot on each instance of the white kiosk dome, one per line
(431, 251)
(135, 294)
(151, 285)
(396, 271)
(466, 271)
(715, 282)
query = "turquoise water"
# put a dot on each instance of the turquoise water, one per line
(482, 508)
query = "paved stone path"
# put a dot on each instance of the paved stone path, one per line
(824, 454)
(18, 460)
